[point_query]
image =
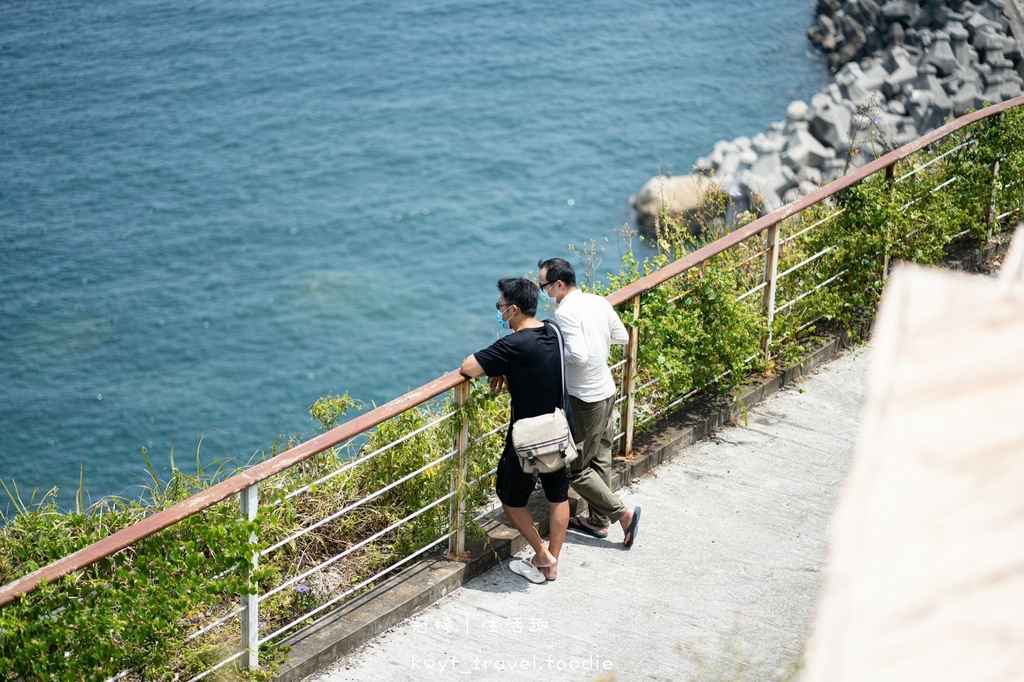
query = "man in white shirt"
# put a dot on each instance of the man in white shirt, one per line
(589, 327)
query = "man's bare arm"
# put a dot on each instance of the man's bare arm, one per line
(471, 368)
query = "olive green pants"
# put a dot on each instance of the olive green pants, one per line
(592, 470)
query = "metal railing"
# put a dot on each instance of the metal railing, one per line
(768, 260)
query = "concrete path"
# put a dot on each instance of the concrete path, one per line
(720, 585)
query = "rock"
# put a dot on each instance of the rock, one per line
(940, 55)
(897, 34)
(830, 123)
(933, 15)
(833, 168)
(967, 98)
(804, 149)
(802, 188)
(927, 80)
(977, 23)
(762, 193)
(874, 74)
(764, 144)
(999, 63)
(808, 174)
(920, 63)
(993, 10)
(703, 165)
(1014, 51)
(721, 150)
(730, 163)
(902, 11)
(963, 51)
(900, 69)
(854, 38)
(855, 85)
(906, 131)
(828, 7)
(988, 40)
(768, 165)
(894, 106)
(964, 78)
(870, 10)
(796, 111)
(681, 196)
(823, 33)
(927, 110)
(1008, 86)
(922, 39)
(894, 130)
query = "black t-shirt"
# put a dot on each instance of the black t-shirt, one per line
(529, 360)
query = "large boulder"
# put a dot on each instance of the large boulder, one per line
(689, 198)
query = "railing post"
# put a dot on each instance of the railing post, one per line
(890, 182)
(629, 378)
(249, 502)
(457, 539)
(991, 218)
(771, 272)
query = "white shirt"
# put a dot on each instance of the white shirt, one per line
(589, 327)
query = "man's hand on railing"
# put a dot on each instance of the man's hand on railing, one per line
(496, 383)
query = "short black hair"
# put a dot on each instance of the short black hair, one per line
(521, 292)
(558, 269)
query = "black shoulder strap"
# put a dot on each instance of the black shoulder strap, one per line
(561, 363)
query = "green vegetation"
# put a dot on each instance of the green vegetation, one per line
(705, 328)
(130, 612)
(137, 610)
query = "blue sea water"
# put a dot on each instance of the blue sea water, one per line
(213, 213)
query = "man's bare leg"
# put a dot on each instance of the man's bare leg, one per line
(558, 525)
(522, 521)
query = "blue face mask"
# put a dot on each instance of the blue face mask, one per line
(502, 322)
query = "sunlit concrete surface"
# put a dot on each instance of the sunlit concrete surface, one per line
(721, 583)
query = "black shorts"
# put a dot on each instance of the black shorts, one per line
(514, 485)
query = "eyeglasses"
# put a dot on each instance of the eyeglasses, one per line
(545, 285)
(498, 306)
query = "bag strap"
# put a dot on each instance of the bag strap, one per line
(566, 408)
(561, 355)
(565, 390)
(561, 367)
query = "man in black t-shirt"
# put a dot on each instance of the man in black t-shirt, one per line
(528, 361)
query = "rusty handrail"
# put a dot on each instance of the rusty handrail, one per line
(719, 246)
(232, 486)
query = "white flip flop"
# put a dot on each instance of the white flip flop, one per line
(527, 570)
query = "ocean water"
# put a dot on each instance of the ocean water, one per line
(213, 213)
